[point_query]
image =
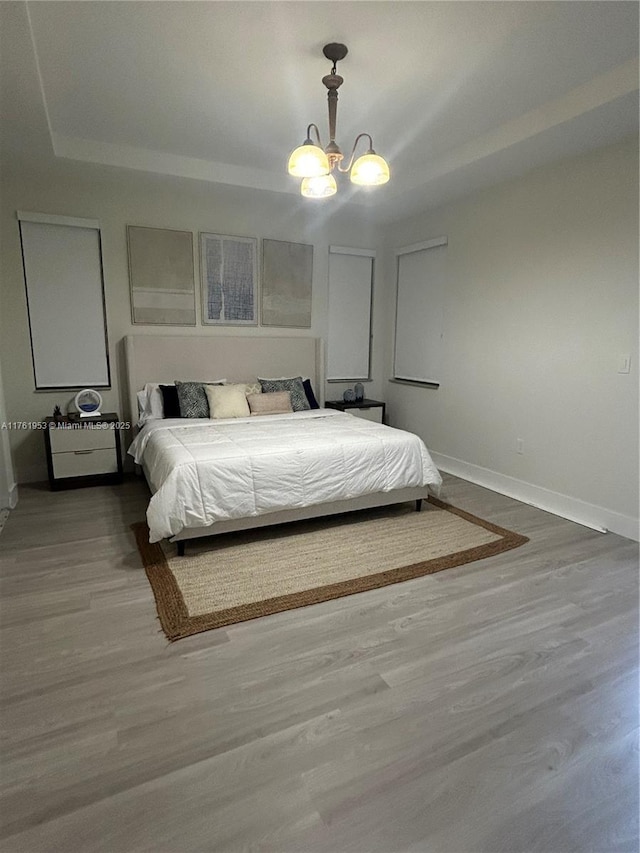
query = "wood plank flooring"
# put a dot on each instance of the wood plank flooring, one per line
(492, 707)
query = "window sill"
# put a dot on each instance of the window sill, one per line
(415, 383)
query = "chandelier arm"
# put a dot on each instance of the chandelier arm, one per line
(353, 151)
(315, 127)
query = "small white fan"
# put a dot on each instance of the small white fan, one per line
(88, 403)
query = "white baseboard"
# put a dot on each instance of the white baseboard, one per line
(8, 500)
(573, 509)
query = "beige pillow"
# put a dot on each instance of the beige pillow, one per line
(276, 403)
(252, 388)
(227, 401)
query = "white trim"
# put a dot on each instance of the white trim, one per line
(426, 244)
(590, 515)
(344, 250)
(146, 160)
(54, 219)
(9, 500)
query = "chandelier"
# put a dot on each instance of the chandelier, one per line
(314, 164)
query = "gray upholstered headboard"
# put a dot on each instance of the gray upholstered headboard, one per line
(198, 358)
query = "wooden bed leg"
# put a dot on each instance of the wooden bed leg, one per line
(418, 504)
(180, 548)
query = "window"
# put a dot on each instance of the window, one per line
(350, 295)
(419, 312)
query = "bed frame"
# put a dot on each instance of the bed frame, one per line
(237, 358)
(240, 358)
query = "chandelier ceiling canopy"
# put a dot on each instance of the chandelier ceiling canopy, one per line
(315, 164)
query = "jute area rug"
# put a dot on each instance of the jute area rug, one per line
(240, 576)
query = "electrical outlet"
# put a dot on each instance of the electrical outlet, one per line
(624, 364)
(519, 446)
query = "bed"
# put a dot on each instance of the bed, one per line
(215, 476)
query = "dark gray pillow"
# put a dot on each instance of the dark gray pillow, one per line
(294, 386)
(311, 397)
(170, 402)
(192, 399)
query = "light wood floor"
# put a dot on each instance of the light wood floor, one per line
(492, 707)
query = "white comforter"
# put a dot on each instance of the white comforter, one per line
(205, 471)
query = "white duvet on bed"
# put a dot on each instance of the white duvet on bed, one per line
(205, 471)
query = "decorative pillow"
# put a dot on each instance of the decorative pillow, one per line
(252, 388)
(193, 399)
(249, 387)
(227, 401)
(170, 402)
(311, 397)
(271, 403)
(295, 387)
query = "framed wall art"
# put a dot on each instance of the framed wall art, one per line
(161, 275)
(229, 280)
(287, 270)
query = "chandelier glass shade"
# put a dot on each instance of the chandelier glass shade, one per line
(315, 164)
(370, 170)
(321, 186)
(308, 161)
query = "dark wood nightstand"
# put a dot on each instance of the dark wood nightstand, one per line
(370, 410)
(83, 452)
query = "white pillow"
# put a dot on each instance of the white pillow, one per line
(150, 405)
(227, 401)
(141, 397)
(154, 407)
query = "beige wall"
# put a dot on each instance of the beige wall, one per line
(542, 298)
(115, 198)
(32, 179)
(542, 301)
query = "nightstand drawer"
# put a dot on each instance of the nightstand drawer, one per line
(83, 463)
(85, 438)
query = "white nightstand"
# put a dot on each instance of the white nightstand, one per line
(83, 452)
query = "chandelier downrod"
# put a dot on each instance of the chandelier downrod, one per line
(333, 82)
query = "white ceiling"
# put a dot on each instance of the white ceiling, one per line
(456, 95)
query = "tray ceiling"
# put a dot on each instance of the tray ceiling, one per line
(456, 95)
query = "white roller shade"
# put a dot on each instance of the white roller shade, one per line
(349, 332)
(63, 278)
(419, 312)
